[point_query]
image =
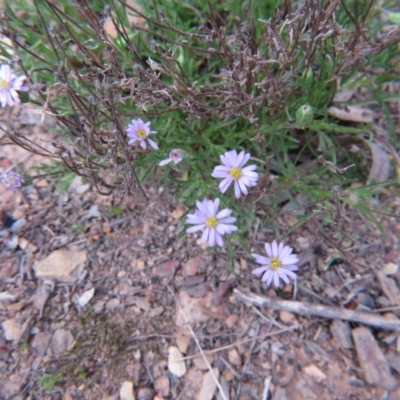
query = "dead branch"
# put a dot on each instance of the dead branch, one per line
(318, 310)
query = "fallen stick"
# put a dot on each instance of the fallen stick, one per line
(319, 310)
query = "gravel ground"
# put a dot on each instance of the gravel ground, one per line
(100, 298)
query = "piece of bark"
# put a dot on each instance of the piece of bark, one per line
(371, 359)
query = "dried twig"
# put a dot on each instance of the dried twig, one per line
(318, 310)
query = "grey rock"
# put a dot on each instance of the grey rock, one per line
(225, 388)
(341, 332)
(17, 226)
(62, 265)
(61, 341)
(41, 342)
(394, 361)
(371, 359)
(280, 394)
(11, 330)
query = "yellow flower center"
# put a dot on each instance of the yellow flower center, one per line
(275, 263)
(4, 84)
(236, 172)
(212, 222)
(142, 133)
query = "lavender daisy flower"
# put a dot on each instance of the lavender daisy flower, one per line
(175, 155)
(12, 179)
(279, 264)
(233, 171)
(139, 131)
(9, 83)
(213, 223)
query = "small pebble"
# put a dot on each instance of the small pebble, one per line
(286, 316)
(121, 274)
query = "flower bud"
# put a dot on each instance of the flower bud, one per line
(304, 116)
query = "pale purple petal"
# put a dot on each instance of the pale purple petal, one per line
(237, 190)
(153, 144)
(164, 162)
(224, 185)
(268, 249)
(202, 206)
(195, 228)
(204, 236)
(261, 259)
(276, 279)
(216, 206)
(218, 238)
(243, 187)
(249, 169)
(224, 213)
(227, 220)
(259, 271)
(291, 267)
(283, 275)
(268, 277)
(274, 249)
(244, 158)
(195, 219)
(291, 259)
(223, 229)
(288, 273)
(211, 238)
(285, 252)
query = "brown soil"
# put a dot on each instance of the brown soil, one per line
(155, 291)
